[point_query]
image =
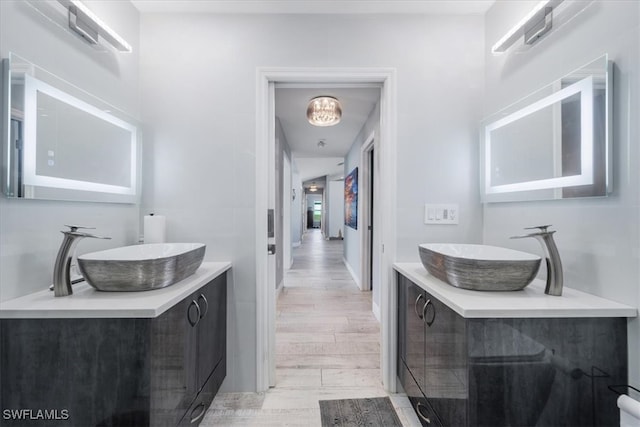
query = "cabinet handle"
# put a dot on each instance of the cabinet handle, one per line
(424, 313)
(415, 305)
(200, 415)
(426, 419)
(206, 305)
(194, 322)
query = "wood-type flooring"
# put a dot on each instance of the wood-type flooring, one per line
(327, 346)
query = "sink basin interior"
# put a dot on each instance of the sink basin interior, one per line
(141, 267)
(147, 251)
(479, 267)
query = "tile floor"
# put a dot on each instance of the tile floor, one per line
(327, 347)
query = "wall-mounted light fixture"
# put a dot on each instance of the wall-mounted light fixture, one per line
(92, 29)
(324, 111)
(534, 25)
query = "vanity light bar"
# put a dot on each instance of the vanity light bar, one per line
(531, 19)
(86, 23)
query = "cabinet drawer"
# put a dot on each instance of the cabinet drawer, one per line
(419, 403)
(426, 414)
(196, 412)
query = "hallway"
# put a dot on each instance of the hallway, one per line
(325, 328)
(327, 346)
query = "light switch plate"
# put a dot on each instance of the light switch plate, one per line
(441, 214)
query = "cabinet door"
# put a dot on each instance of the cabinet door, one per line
(173, 363)
(445, 370)
(415, 338)
(212, 327)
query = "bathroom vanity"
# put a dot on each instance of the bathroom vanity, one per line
(154, 358)
(474, 358)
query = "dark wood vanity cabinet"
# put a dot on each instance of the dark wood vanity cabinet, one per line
(431, 348)
(509, 371)
(85, 372)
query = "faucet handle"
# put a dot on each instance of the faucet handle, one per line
(542, 228)
(73, 228)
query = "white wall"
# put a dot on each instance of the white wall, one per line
(352, 249)
(199, 97)
(335, 207)
(598, 239)
(29, 229)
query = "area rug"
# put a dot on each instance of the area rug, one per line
(376, 411)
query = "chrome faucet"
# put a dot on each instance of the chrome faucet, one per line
(552, 256)
(61, 270)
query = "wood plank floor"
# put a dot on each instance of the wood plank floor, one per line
(327, 347)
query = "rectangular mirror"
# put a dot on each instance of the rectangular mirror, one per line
(554, 144)
(62, 143)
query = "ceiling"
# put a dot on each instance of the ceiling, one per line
(310, 160)
(436, 7)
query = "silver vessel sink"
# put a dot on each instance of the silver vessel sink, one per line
(479, 267)
(141, 267)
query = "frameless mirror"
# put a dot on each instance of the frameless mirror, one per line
(62, 143)
(554, 144)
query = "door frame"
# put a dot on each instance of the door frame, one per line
(366, 255)
(266, 78)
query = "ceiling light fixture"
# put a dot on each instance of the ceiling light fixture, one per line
(87, 24)
(534, 25)
(324, 111)
(313, 187)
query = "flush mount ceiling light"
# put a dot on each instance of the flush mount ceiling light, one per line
(324, 111)
(534, 25)
(92, 29)
(313, 187)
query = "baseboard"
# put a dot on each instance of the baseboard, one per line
(353, 273)
(296, 244)
(376, 311)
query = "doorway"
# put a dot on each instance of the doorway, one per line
(385, 249)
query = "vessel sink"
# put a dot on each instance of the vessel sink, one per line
(479, 267)
(141, 267)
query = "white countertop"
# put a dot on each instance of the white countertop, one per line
(88, 302)
(529, 302)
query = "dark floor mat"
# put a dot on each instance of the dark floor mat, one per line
(359, 412)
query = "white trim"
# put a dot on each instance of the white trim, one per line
(376, 311)
(387, 179)
(352, 272)
(297, 244)
(262, 203)
(366, 256)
